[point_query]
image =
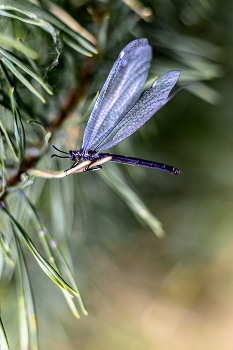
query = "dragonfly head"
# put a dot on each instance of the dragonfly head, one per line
(74, 155)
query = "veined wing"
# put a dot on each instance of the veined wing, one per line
(120, 92)
(149, 103)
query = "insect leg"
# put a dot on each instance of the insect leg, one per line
(97, 167)
(72, 166)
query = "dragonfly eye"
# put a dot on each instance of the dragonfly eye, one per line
(73, 155)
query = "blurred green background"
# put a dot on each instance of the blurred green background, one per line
(141, 292)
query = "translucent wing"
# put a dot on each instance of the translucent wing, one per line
(149, 103)
(120, 92)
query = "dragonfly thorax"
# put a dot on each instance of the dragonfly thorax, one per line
(80, 154)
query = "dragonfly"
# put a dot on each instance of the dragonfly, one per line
(122, 108)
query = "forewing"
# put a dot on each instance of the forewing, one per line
(150, 102)
(120, 92)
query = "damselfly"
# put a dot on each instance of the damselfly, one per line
(121, 108)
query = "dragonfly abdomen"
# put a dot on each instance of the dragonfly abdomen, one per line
(140, 162)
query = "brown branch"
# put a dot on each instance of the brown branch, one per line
(73, 97)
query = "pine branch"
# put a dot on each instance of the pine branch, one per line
(72, 99)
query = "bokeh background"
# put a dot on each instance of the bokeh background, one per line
(142, 291)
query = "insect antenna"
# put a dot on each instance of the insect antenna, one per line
(55, 155)
(59, 150)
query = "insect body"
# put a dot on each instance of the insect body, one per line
(121, 108)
